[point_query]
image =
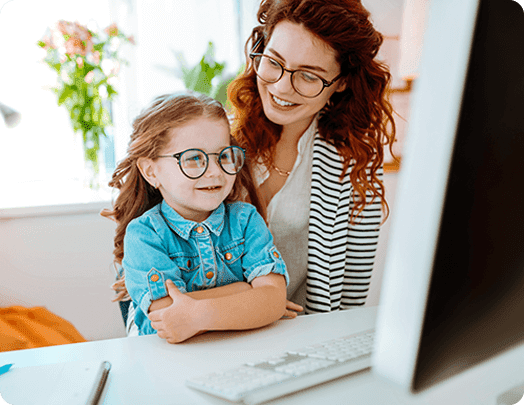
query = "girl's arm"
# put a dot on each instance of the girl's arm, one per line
(261, 305)
(216, 292)
(291, 308)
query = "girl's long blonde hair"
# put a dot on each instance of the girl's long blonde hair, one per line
(150, 135)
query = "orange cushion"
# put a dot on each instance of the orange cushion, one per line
(27, 328)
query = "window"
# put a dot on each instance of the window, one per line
(41, 160)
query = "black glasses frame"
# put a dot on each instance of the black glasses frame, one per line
(219, 154)
(325, 83)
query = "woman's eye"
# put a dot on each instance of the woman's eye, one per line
(274, 63)
(308, 77)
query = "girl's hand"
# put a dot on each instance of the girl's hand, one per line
(291, 310)
(176, 322)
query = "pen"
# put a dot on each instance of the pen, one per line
(5, 369)
(101, 378)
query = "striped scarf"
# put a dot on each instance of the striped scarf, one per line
(340, 255)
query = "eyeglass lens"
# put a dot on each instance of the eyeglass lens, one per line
(305, 83)
(194, 162)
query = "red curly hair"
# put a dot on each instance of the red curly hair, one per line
(357, 121)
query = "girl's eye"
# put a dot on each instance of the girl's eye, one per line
(194, 159)
(226, 157)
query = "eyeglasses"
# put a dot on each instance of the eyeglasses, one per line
(305, 83)
(194, 162)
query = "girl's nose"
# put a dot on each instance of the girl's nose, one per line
(213, 168)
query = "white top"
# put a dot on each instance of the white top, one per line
(288, 215)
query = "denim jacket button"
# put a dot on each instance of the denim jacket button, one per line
(229, 256)
(276, 255)
(189, 263)
(209, 275)
(200, 229)
(154, 278)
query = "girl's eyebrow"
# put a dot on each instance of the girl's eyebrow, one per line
(310, 67)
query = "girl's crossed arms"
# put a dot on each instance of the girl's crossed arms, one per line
(195, 259)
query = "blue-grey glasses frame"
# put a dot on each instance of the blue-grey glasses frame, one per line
(237, 161)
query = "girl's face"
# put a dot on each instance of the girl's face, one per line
(193, 199)
(297, 48)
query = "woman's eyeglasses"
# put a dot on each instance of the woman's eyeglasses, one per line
(194, 162)
(305, 83)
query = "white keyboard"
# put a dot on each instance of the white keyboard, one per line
(256, 382)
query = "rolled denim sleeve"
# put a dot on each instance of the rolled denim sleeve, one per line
(261, 256)
(147, 265)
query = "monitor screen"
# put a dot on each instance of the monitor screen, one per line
(457, 242)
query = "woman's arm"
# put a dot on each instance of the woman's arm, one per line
(261, 305)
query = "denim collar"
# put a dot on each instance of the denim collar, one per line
(183, 227)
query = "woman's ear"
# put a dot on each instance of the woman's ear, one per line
(147, 169)
(341, 86)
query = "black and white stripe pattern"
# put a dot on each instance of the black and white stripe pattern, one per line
(340, 254)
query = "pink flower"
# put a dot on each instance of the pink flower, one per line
(111, 30)
(80, 62)
(89, 77)
(93, 58)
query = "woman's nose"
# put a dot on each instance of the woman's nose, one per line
(284, 86)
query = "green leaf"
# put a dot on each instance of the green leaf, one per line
(66, 93)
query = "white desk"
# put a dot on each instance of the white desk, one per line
(147, 370)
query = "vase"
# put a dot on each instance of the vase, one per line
(91, 174)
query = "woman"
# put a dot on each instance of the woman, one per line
(311, 112)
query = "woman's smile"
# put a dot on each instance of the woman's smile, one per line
(281, 102)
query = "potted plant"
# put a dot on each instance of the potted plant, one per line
(87, 64)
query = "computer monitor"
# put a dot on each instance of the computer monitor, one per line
(453, 289)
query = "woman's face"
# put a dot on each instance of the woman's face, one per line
(297, 48)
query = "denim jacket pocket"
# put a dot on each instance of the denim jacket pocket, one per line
(231, 255)
(186, 262)
(232, 252)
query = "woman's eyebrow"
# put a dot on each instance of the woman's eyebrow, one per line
(310, 67)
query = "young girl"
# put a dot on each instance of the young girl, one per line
(194, 259)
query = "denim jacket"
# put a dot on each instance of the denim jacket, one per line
(233, 244)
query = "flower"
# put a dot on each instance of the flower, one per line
(89, 77)
(87, 65)
(112, 30)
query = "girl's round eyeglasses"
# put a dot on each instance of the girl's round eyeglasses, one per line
(194, 162)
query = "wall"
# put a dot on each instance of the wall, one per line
(62, 261)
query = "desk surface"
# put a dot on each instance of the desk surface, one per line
(148, 370)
